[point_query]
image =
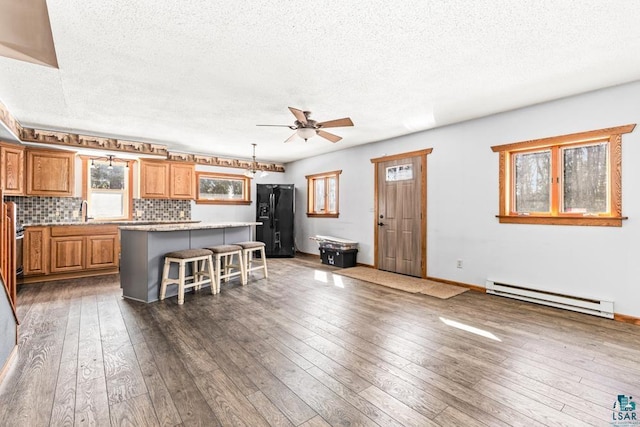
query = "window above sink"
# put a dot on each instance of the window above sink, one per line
(106, 187)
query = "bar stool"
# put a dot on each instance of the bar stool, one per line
(230, 269)
(248, 249)
(202, 271)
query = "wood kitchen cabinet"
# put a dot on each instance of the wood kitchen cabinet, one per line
(167, 180)
(50, 172)
(101, 251)
(12, 169)
(35, 251)
(67, 254)
(182, 184)
(154, 179)
(65, 251)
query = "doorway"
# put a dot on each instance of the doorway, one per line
(400, 234)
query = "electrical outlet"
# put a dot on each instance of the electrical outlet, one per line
(181, 214)
(459, 263)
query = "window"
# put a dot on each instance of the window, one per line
(107, 189)
(224, 189)
(566, 180)
(322, 194)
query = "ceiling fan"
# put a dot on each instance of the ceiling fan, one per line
(306, 128)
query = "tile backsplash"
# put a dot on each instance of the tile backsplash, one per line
(161, 210)
(45, 210)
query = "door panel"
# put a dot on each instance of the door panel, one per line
(389, 250)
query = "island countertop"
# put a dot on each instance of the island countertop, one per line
(187, 226)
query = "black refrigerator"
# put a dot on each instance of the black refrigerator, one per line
(274, 209)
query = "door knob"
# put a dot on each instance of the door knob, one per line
(380, 223)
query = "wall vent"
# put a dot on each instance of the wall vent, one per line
(553, 299)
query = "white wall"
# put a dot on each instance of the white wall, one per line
(462, 200)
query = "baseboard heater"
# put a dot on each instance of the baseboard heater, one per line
(568, 302)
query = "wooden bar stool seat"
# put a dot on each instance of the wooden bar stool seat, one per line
(248, 251)
(202, 271)
(225, 265)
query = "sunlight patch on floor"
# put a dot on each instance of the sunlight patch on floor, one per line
(320, 276)
(337, 281)
(471, 329)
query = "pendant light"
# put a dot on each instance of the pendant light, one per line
(253, 168)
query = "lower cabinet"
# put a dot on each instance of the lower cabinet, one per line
(67, 254)
(72, 249)
(101, 251)
(35, 251)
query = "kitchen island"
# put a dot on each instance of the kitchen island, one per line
(143, 248)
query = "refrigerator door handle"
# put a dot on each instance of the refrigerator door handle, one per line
(272, 207)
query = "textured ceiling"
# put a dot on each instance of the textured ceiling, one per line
(199, 75)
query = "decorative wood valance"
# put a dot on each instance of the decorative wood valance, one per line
(69, 139)
(222, 162)
(74, 140)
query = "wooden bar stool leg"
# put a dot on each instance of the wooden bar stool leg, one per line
(218, 271)
(225, 265)
(243, 268)
(264, 262)
(181, 276)
(247, 263)
(195, 270)
(165, 279)
(214, 287)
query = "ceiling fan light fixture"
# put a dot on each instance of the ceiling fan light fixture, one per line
(306, 128)
(306, 133)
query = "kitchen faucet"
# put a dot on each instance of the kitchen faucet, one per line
(84, 215)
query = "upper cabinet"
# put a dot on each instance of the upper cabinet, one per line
(154, 179)
(12, 169)
(50, 172)
(166, 180)
(183, 181)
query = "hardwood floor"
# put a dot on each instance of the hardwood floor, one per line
(307, 348)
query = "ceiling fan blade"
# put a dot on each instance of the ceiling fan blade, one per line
(291, 138)
(299, 115)
(331, 137)
(336, 123)
(280, 126)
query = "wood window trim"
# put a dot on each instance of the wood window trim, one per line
(614, 138)
(311, 213)
(85, 185)
(246, 188)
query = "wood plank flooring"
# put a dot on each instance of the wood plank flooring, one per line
(307, 348)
